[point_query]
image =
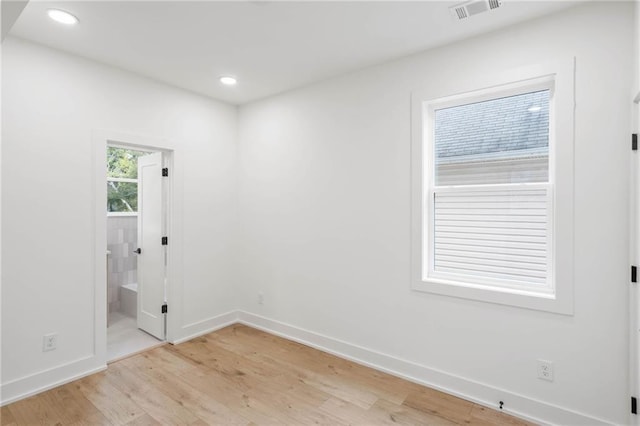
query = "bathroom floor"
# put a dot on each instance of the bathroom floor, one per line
(124, 338)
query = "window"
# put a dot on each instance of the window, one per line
(486, 206)
(122, 180)
(488, 192)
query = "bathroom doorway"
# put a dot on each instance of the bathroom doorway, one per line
(136, 249)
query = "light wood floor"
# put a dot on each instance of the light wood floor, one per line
(241, 376)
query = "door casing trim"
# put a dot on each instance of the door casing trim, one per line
(102, 139)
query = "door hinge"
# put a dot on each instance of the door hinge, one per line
(634, 274)
(634, 405)
(164, 308)
(165, 172)
(165, 241)
(634, 141)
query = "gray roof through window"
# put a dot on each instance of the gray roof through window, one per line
(503, 128)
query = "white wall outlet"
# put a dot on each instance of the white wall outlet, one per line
(545, 370)
(261, 298)
(49, 342)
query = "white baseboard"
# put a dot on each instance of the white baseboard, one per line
(48, 379)
(196, 329)
(518, 405)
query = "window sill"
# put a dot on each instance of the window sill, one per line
(539, 301)
(121, 214)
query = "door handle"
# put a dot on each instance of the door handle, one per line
(138, 250)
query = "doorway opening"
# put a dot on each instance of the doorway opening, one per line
(136, 210)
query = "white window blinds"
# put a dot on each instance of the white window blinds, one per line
(493, 234)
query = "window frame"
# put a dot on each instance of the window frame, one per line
(113, 144)
(429, 108)
(128, 180)
(558, 78)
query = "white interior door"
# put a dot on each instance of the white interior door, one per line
(634, 294)
(634, 291)
(151, 270)
(634, 298)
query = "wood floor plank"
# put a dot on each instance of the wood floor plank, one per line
(73, 408)
(35, 410)
(117, 407)
(199, 403)
(144, 420)
(149, 398)
(486, 416)
(359, 378)
(169, 360)
(440, 404)
(298, 402)
(383, 385)
(230, 393)
(6, 417)
(242, 376)
(404, 415)
(244, 340)
(328, 383)
(356, 415)
(342, 389)
(321, 374)
(227, 362)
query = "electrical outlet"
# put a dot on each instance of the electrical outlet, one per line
(49, 342)
(545, 370)
(261, 298)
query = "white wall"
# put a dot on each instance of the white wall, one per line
(52, 104)
(324, 202)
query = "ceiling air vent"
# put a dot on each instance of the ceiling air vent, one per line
(474, 7)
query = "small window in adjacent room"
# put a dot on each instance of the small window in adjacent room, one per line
(122, 181)
(485, 223)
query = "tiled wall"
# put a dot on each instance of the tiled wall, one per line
(122, 237)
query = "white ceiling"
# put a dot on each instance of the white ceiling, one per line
(270, 46)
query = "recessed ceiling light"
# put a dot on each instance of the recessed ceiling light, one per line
(62, 16)
(228, 80)
(534, 108)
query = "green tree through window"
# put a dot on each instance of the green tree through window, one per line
(122, 180)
